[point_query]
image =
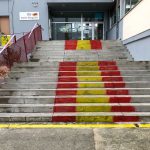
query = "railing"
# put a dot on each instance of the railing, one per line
(16, 51)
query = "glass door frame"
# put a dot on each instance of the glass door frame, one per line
(93, 26)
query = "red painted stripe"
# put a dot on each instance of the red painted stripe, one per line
(70, 44)
(126, 119)
(68, 85)
(74, 68)
(64, 109)
(103, 73)
(106, 63)
(75, 79)
(64, 119)
(96, 44)
(114, 85)
(67, 68)
(66, 92)
(67, 73)
(110, 73)
(108, 92)
(67, 79)
(100, 63)
(117, 92)
(122, 109)
(106, 85)
(112, 79)
(108, 68)
(65, 100)
(120, 99)
(67, 63)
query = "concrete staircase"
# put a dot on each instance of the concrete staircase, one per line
(77, 86)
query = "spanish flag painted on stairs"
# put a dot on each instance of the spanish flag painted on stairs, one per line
(83, 45)
(84, 83)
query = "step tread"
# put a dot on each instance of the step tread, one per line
(75, 104)
(74, 114)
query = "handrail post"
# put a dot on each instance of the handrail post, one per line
(41, 32)
(15, 39)
(25, 47)
(34, 36)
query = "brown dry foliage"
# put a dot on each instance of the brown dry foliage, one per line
(4, 70)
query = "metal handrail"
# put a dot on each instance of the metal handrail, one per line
(7, 43)
(36, 24)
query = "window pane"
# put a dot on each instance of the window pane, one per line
(134, 2)
(128, 5)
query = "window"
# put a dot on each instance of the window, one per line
(130, 4)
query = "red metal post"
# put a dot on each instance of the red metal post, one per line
(34, 36)
(25, 47)
(41, 32)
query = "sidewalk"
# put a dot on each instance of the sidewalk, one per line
(74, 139)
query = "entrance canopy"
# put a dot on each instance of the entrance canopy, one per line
(78, 21)
(80, 6)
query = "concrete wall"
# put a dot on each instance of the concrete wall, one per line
(12, 8)
(134, 30)
(139, 46)
(137, 21)
(4, 7)
(21, 26)
(112, 34)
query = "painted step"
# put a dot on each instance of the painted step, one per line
(49, 85)
(37, 78)
(55, 64)
(73, 68)
(28, 99)
(76, 117)
(79, 91)
(82, 107)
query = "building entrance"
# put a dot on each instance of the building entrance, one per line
(77, 26)
(77, 30)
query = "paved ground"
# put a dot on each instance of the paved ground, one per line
(75, 139)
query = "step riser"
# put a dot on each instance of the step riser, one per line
(86, 69)
(54, 85)
(24, 100)
(54, 79)
(68, 92)
(71, 109)
(84, 120)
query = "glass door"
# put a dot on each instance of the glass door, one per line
(77, 31)
(66, 31)
(87, 31)
(98, 31)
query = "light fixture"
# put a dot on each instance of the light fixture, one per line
(35, 4)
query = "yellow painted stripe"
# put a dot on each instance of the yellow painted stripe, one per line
(87, 63)
(96, 79)
(91, 85)
(91, 92)
(93, 109)
(144, 125)
(94, 68)
(83, 45)
(92, 100)
(44, 126)
(94, 119)
(4, 125)
(85, 73)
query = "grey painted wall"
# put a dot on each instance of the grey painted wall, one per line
(112, 34)
(140, 50)
(4, 7)
(12, 8)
